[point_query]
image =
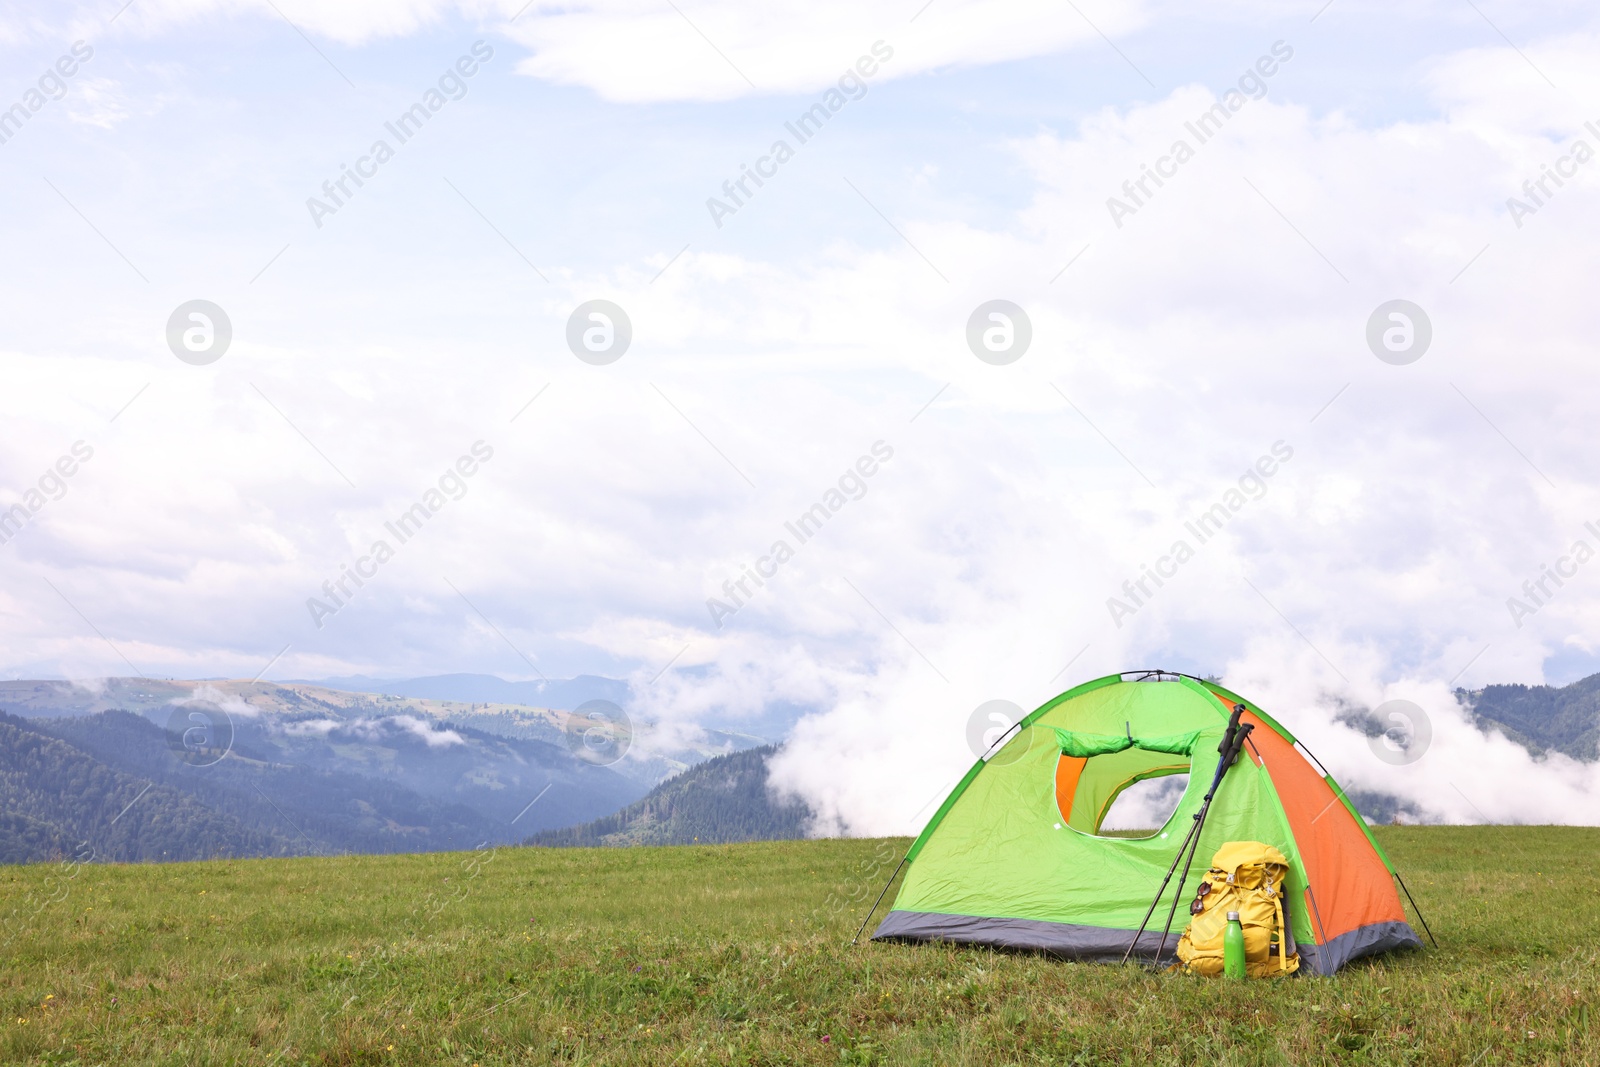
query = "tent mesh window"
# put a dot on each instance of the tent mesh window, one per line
(1087, 787)
(1144, 806)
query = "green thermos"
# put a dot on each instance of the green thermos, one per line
(1233, 948)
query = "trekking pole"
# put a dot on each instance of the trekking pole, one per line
(1205, 809)
(1199, 824)
(1193, 826)
(1194, 830)
(1232, 741)
(1177, 894)
(1188, 864)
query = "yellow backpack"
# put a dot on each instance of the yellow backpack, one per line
(1246, 877)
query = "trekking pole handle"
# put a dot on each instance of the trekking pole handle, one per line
(1233, 728)
(1230, 752)
(1239, 739)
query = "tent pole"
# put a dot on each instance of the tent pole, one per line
(1004, 739)
(1416, 909)
(875, 903)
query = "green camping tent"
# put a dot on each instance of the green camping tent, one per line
(1015, 857)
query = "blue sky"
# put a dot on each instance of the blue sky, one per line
(828, 314)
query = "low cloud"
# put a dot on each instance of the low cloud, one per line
(205, 693)
(309, 727)
(1464, 773)
(426, 732)
(374, 730)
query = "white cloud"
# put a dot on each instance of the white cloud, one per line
(1462, 775)
(350, 22)
(641, 50)
(651, 50)
(309, 727)
(97, 102)
(374, 729)
(205, 693)
(424, 731)
(1204, 328)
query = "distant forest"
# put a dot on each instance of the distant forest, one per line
(721, 800)
(110, 784)
(1542, 717)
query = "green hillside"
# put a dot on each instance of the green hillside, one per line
(1543, 717)
(739, 955)
(372, 784)
(59, 802)
(109, 783)
(721, 801)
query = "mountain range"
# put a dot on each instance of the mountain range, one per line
(136, 769)
(302, 706)
(262, 768)
(562, 694)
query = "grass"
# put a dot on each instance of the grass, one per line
(737, 955)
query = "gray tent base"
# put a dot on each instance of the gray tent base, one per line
(1098, 944)
(1362, 941)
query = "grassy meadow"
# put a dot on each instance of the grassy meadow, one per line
(738, 955)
